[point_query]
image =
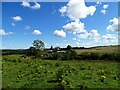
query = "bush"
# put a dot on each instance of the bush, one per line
(117, 57)
(107, 57)
(70, 55)
(94, 56)
(31, 52)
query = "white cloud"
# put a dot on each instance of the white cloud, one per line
(74, 33)
(76, 9)
(27, 27)
(25, 4)
(13, 24)
(94, 33)
(115, 26)
(105, 6)
(63, 10)
(103, 11)
(17, 18)
(36, 32)
(109, 38)
(98, 3)
(77, 43)
(36, 6)
(97, 40)
(60, 33)
(75, 27)
(74, 39)
(84, 35)
(2, 32)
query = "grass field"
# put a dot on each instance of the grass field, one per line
(21, 72)
(100, 50)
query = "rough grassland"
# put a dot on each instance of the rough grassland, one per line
(21, 72)
(100, 50)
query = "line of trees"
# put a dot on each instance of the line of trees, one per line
(38, 51)
(69, 54)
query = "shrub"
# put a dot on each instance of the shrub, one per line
(107, 57)
(70, 55)
(31, 52)
(94, 56)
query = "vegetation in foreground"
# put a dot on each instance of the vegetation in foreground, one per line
(61, 68)
(19, 72)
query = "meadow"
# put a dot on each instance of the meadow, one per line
(100, 49)
(20, 72)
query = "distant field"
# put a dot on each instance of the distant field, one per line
(101, 50)
(21, 72)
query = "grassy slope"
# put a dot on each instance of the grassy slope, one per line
(34, 73)
(101, 50)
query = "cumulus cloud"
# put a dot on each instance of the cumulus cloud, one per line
(2, 32)
(115, 26)
(109, 38)
(84, 35)
(105, 6)
(25, 4)
(94, 33)
(60, 33)
(97, 40)
(75, 27)
(103, 11)
(36, 6)
(36, 32)
(63, 10)
(17, 18)
(76, 9)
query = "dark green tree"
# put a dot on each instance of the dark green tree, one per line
(69, 47)
(51, 48)
(38, 44)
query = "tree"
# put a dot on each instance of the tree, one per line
(51, 48)
(69, 47)
(38, 44)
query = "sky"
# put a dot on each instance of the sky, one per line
(75, 23)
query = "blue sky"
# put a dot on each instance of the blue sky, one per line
(48, 22)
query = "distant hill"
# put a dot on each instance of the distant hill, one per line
(100, 49)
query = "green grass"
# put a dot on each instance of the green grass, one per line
(21, 72)
(100, 50)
